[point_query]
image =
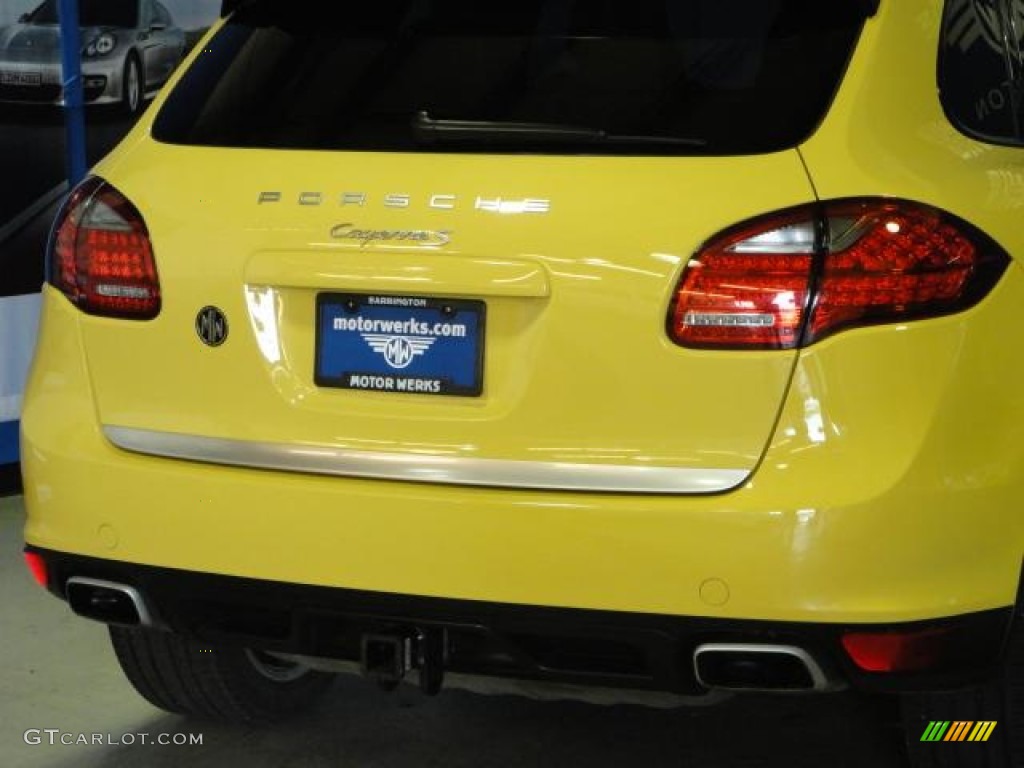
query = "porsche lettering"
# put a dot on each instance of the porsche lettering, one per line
(437, 202)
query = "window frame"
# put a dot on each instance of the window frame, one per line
(1008, 93)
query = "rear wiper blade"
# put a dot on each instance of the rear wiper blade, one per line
(429, 130)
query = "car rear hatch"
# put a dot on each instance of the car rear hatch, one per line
(441, 244)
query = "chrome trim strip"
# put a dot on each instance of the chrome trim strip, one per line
(448, 470)
(819, 681)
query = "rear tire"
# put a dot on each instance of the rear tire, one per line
(225, 683)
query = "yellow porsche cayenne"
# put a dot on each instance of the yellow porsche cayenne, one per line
(659, 346)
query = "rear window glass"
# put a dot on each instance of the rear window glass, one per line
(617, 76)
(981, 68)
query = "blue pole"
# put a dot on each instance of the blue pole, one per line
(74, 112)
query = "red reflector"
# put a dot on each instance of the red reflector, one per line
(37, 566)
(102, 258)
(896, 651)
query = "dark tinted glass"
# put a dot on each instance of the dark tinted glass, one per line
(981, 68)
(618, 76)
(161, 15)
(93, 13)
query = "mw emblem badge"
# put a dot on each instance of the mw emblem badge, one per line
(211, 326)
(398, 351)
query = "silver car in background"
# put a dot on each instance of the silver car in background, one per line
(129, 48)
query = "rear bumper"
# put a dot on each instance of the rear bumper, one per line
(606, 649)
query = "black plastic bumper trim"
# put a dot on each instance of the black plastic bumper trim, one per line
(570, 645)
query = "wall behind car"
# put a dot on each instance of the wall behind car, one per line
(10, 10)
(22, 242)
(19, 300)
(188, 13)
(18, 323)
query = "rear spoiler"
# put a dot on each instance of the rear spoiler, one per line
(228, 6)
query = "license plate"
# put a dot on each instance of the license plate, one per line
(20, 78)
(404, 344)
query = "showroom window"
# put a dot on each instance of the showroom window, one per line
(981, 69)
(92, 13)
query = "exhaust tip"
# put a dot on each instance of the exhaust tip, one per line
(107, 601)
(758, 667)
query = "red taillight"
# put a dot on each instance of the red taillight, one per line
(101, 256)
(791, 279)
(37, 566)
(893, 261)
(748, 288)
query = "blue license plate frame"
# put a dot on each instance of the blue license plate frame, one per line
(400, 344)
